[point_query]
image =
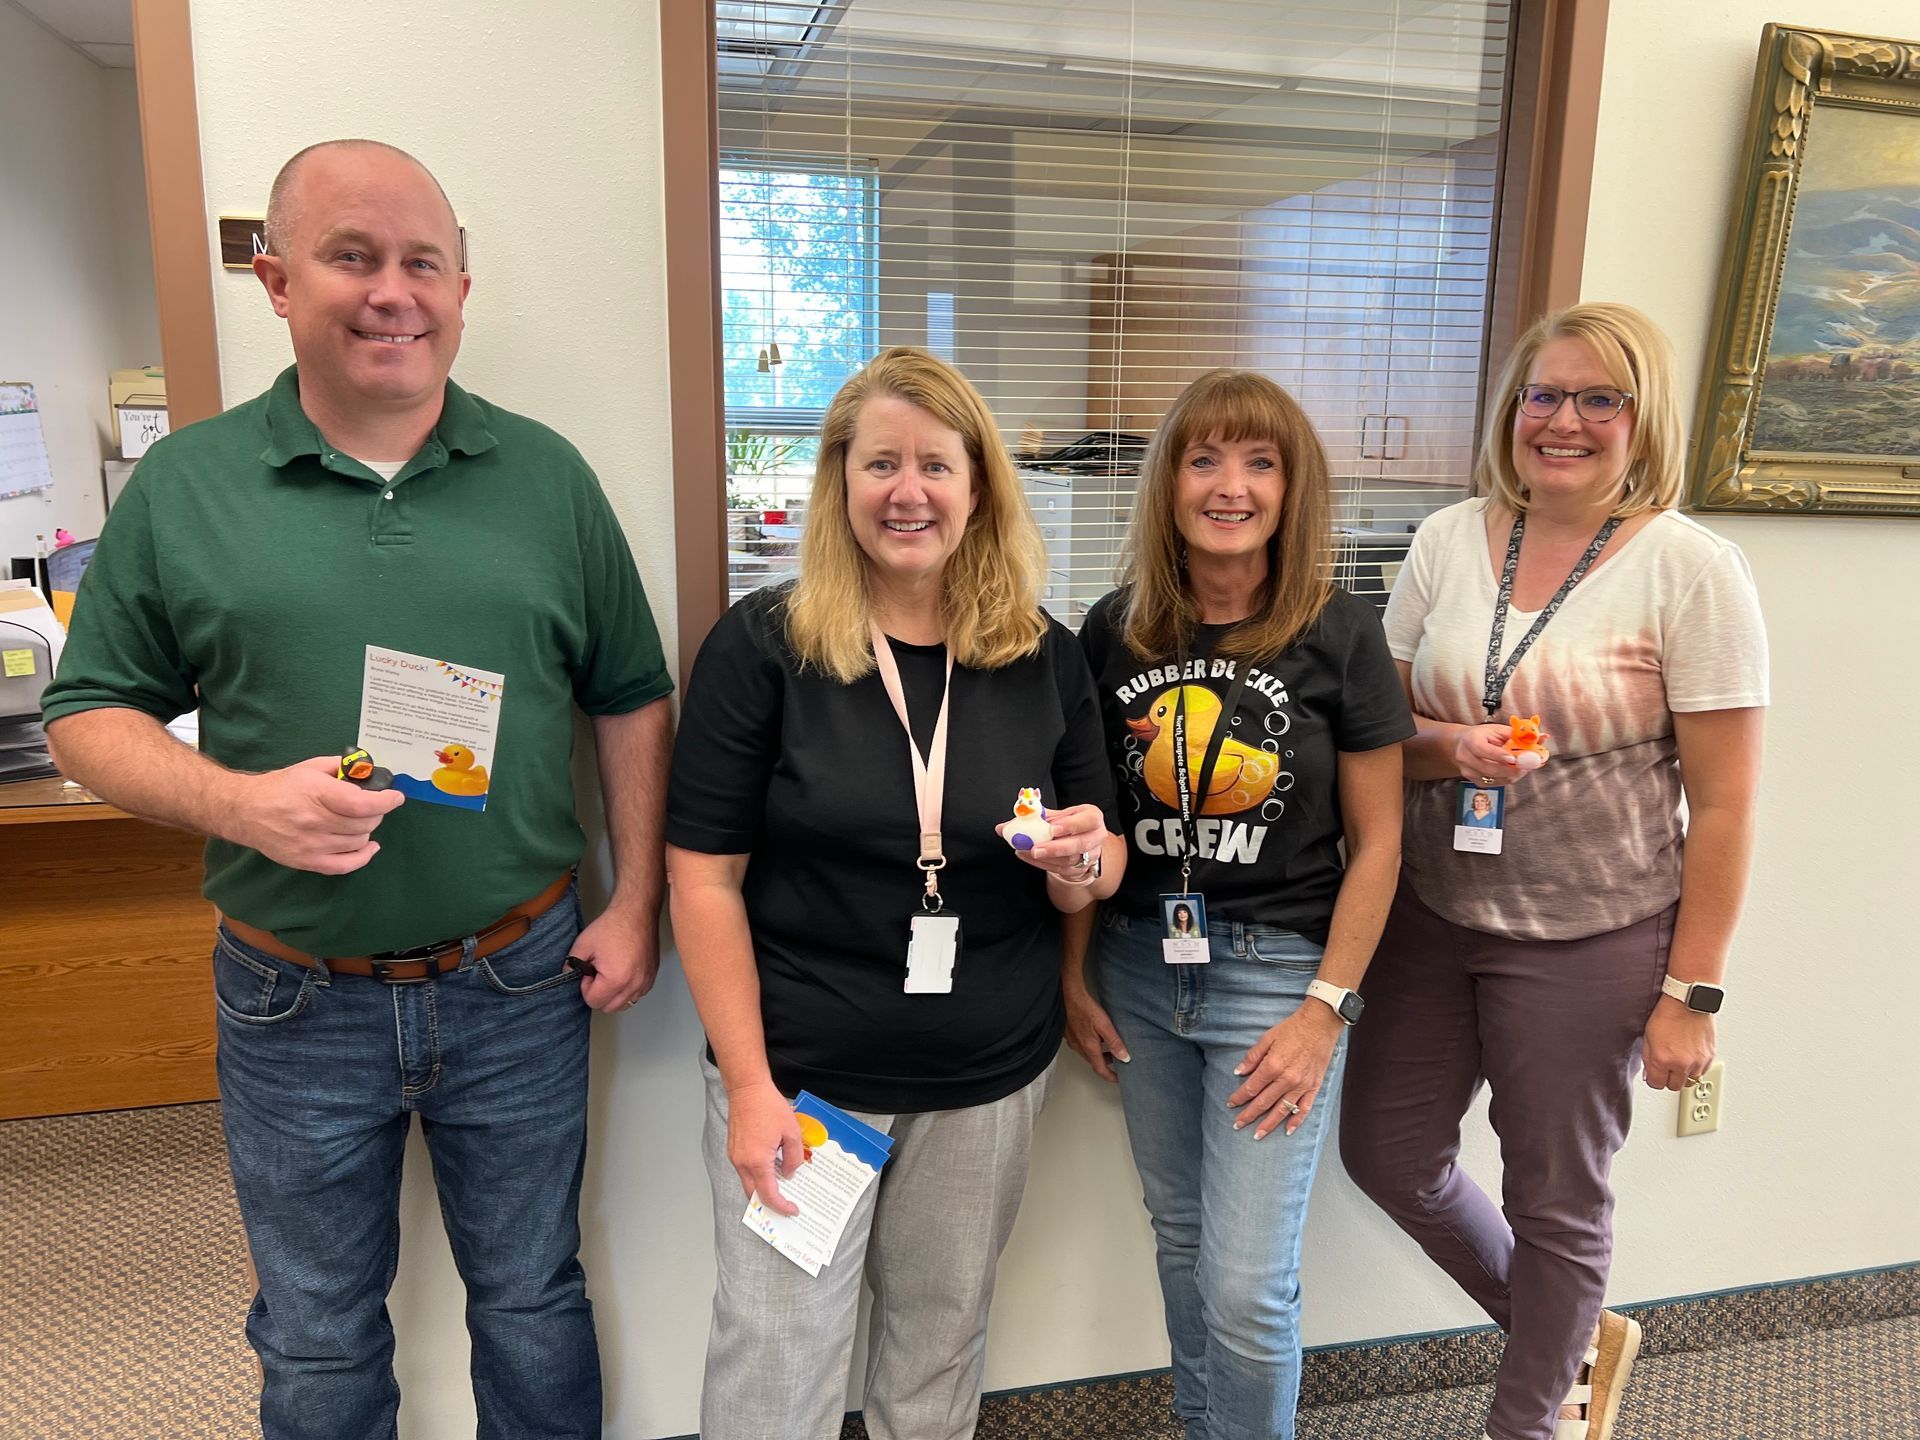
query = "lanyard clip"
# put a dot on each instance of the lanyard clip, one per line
(932, 861)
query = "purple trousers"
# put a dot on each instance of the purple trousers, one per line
(1554, 1028)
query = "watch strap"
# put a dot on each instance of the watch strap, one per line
(1682, 990)
(1330, 995)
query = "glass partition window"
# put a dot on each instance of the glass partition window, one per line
(1085, 205)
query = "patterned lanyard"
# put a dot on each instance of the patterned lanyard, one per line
(1497, 674)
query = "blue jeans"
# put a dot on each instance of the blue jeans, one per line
(320, 1076)
(1227, 1209)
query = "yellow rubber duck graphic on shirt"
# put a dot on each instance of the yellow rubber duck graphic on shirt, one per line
(1242, 777)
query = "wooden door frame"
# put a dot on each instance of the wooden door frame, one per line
(177, 208)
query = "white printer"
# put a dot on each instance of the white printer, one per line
(26, 667)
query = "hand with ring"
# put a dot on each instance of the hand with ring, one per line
(1282, 1072)
(1480, 755)
(1079, 835)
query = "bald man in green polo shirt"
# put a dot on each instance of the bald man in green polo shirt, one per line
(386, 952)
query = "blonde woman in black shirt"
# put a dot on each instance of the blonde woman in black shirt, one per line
(796, 825)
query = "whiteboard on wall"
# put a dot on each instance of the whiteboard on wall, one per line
(24, 467)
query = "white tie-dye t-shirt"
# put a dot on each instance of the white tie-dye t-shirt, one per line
(1669, 623)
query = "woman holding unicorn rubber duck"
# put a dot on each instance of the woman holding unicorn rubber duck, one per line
(1254, 719)
(849, 745)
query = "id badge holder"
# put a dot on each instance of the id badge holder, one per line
(1183, 920)
(1479, 818)
(933, 945)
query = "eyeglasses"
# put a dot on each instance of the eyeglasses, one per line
(1597, 403)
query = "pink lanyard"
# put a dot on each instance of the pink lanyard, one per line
(929, 773)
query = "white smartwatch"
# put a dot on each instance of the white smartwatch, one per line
(1695, 995)
(1347, 1004)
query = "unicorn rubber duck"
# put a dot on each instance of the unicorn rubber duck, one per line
(1029, 824)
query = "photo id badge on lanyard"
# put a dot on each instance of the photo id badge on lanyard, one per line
(1480, 811)
(1479, 818)
(1185, 914)
(933, 943)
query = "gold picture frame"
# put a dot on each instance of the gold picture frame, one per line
(1811, 401)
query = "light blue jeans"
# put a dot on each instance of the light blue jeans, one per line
(1227, 1209)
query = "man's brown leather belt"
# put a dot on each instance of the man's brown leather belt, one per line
(422, 962)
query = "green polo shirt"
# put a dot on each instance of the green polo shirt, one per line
(248, 566)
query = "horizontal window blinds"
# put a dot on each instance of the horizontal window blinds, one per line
(1084, 206)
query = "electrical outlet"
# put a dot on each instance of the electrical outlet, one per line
(1702, 1101)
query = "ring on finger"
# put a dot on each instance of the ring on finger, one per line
(1486, 780)
(1293, 1107)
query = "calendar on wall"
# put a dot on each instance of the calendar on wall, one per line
(24, 467)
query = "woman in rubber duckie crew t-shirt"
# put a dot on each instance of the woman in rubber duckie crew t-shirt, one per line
(1254, 719)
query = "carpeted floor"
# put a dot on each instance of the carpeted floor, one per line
(1857, 1383)
(125, 1281)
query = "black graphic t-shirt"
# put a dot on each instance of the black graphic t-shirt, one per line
(1269, 827)
(811, 779)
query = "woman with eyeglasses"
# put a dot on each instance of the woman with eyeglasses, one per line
(1593, 935)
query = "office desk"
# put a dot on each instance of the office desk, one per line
(106, 990)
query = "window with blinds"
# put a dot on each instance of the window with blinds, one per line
(1084, 204)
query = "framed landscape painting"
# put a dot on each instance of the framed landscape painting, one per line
(1811, 403)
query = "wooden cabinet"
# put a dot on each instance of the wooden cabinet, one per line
(106, 982)
(1156, 322)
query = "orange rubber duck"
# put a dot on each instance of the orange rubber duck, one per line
(1527, 743)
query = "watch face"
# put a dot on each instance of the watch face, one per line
(1351, 1006)
(1707, 999)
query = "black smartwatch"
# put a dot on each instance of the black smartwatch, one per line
(1347, 1004)
(1695, 995)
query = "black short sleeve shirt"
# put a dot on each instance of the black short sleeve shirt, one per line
(1267, 834)
(811, 779)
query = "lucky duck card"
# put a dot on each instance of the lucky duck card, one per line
(433, 724)
(843, 1157)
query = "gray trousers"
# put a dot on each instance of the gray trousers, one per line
(926, 1238)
